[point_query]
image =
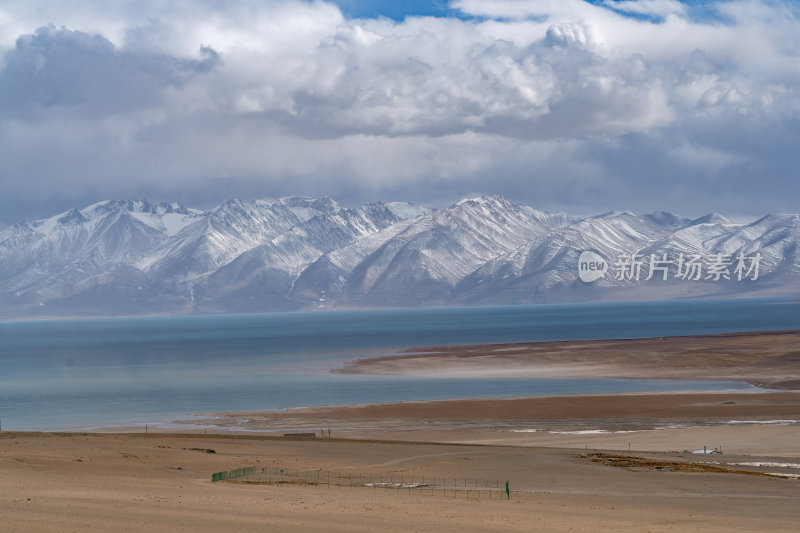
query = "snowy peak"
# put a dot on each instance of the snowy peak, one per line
(134, 206)
(404, 210)
(486, 202)
(664, 218)
(322, 205)
(296, 252)
(711, 218)
(549, 220)
(777, 220)
(616, 214)
(72, 217)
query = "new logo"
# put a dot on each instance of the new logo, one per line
(591, 266)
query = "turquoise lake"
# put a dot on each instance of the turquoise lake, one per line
(89, 373)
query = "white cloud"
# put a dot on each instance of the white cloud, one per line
(521, 9)
(322, 75)
(154, 95)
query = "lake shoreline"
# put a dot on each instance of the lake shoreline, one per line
(766, 359)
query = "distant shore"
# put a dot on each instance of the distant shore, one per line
(754, 421)
(768, 359)
(746, 423)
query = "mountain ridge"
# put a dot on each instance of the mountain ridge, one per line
(296, 253)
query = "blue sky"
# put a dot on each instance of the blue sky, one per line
(699, 10)
(560, 104)
(393, 10)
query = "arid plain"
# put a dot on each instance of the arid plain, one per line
(584, 463)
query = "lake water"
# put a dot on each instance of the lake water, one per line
(88, 373)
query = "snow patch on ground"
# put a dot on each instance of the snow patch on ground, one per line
(769, 464)
(762, 422)
(590, 432)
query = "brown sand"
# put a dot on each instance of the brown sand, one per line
(162, 482)
(742, 423)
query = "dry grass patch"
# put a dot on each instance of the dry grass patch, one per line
(634, 463)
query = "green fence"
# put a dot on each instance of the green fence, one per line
(233, 474)
(400, 483)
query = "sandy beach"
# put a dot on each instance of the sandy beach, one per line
(742, 423)
(585, 463)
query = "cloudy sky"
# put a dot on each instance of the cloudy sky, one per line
(560, 104)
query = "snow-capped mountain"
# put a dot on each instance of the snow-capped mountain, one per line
(133, 257)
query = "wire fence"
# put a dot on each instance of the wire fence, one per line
(233, 474)
(400, 483)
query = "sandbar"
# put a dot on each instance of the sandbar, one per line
(768, 359)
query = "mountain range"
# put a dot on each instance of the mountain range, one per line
(133, 257)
